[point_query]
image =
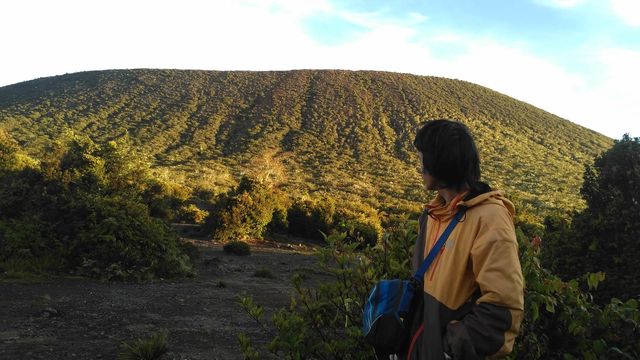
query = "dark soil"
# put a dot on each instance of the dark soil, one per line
(87, 319)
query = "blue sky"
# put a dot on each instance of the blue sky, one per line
(578, 59)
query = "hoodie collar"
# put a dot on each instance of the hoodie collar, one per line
(439, 210)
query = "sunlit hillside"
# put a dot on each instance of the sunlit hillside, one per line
(340, 132)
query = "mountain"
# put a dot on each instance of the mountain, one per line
(344, 133)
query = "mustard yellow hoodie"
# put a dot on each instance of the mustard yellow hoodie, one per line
(473, 292)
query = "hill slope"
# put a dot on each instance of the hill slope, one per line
(343, 132)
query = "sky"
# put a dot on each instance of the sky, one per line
(578, 59)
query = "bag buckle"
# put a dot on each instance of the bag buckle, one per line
(414, 283)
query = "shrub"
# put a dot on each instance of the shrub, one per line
(604, 237)
(12, 158)
(120, 238)
(73, 211)
(244, 211)
(311, 218)
(361, 232)
(240, 248)
(152, 348)
(324, 321)
(192, 214)
(264, 273)
(279, 223)
(562, 320)
(166, 200)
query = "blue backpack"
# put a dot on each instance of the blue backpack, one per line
(390, 308)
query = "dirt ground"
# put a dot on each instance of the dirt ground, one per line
(87, 319)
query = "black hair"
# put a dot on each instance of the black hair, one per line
(449, 154)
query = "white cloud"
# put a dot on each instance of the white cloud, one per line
(615, 98)
(48, 38)
(604, 99)
(628, 11)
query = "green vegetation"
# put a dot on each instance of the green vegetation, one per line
(311, 218)
(586, 316)
(192, 214)
(264, 273)
(244, 212)
(341, 134)
(253, 208)
(603, 237)
(317, 154)
(152, 348)
(82, 209)
(324, 320)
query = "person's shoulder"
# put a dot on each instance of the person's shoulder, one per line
(490, 204)
(490, 212)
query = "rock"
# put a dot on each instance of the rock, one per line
(50, 312)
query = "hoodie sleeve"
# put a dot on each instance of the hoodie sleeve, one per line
(493, 323)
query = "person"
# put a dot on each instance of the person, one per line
(473, 299)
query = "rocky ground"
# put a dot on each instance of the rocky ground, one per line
(87, 319)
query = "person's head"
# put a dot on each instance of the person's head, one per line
(448, 155)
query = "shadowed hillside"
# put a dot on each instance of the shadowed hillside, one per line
(342, 132)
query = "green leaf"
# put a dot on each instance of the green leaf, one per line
(599, 346)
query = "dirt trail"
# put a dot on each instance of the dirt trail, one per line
(85, 319)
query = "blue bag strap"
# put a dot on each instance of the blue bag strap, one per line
(416, 279)
(419, 275)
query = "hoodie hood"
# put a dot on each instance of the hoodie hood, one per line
(491, 197)
(440, 210)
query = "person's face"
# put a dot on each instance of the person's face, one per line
(428, 180)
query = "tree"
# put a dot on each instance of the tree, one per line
(244, 212)
(12, 158)
(604, 237)
(82, 211)
(8, 148)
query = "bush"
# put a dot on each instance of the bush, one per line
(279, 223)
(122, 238)
(192, 214)
(264, 273)
(78, 210)
(12, 158)
(152, 348)
(324, 320)
(244, 211)
(311, 218)
(240, 248)
(562, 320)
(604, 237)
(363, 233)
(166, 200)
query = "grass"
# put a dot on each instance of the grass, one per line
(264, 273)
(152, 348)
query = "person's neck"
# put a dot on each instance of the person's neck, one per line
(448, 194)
